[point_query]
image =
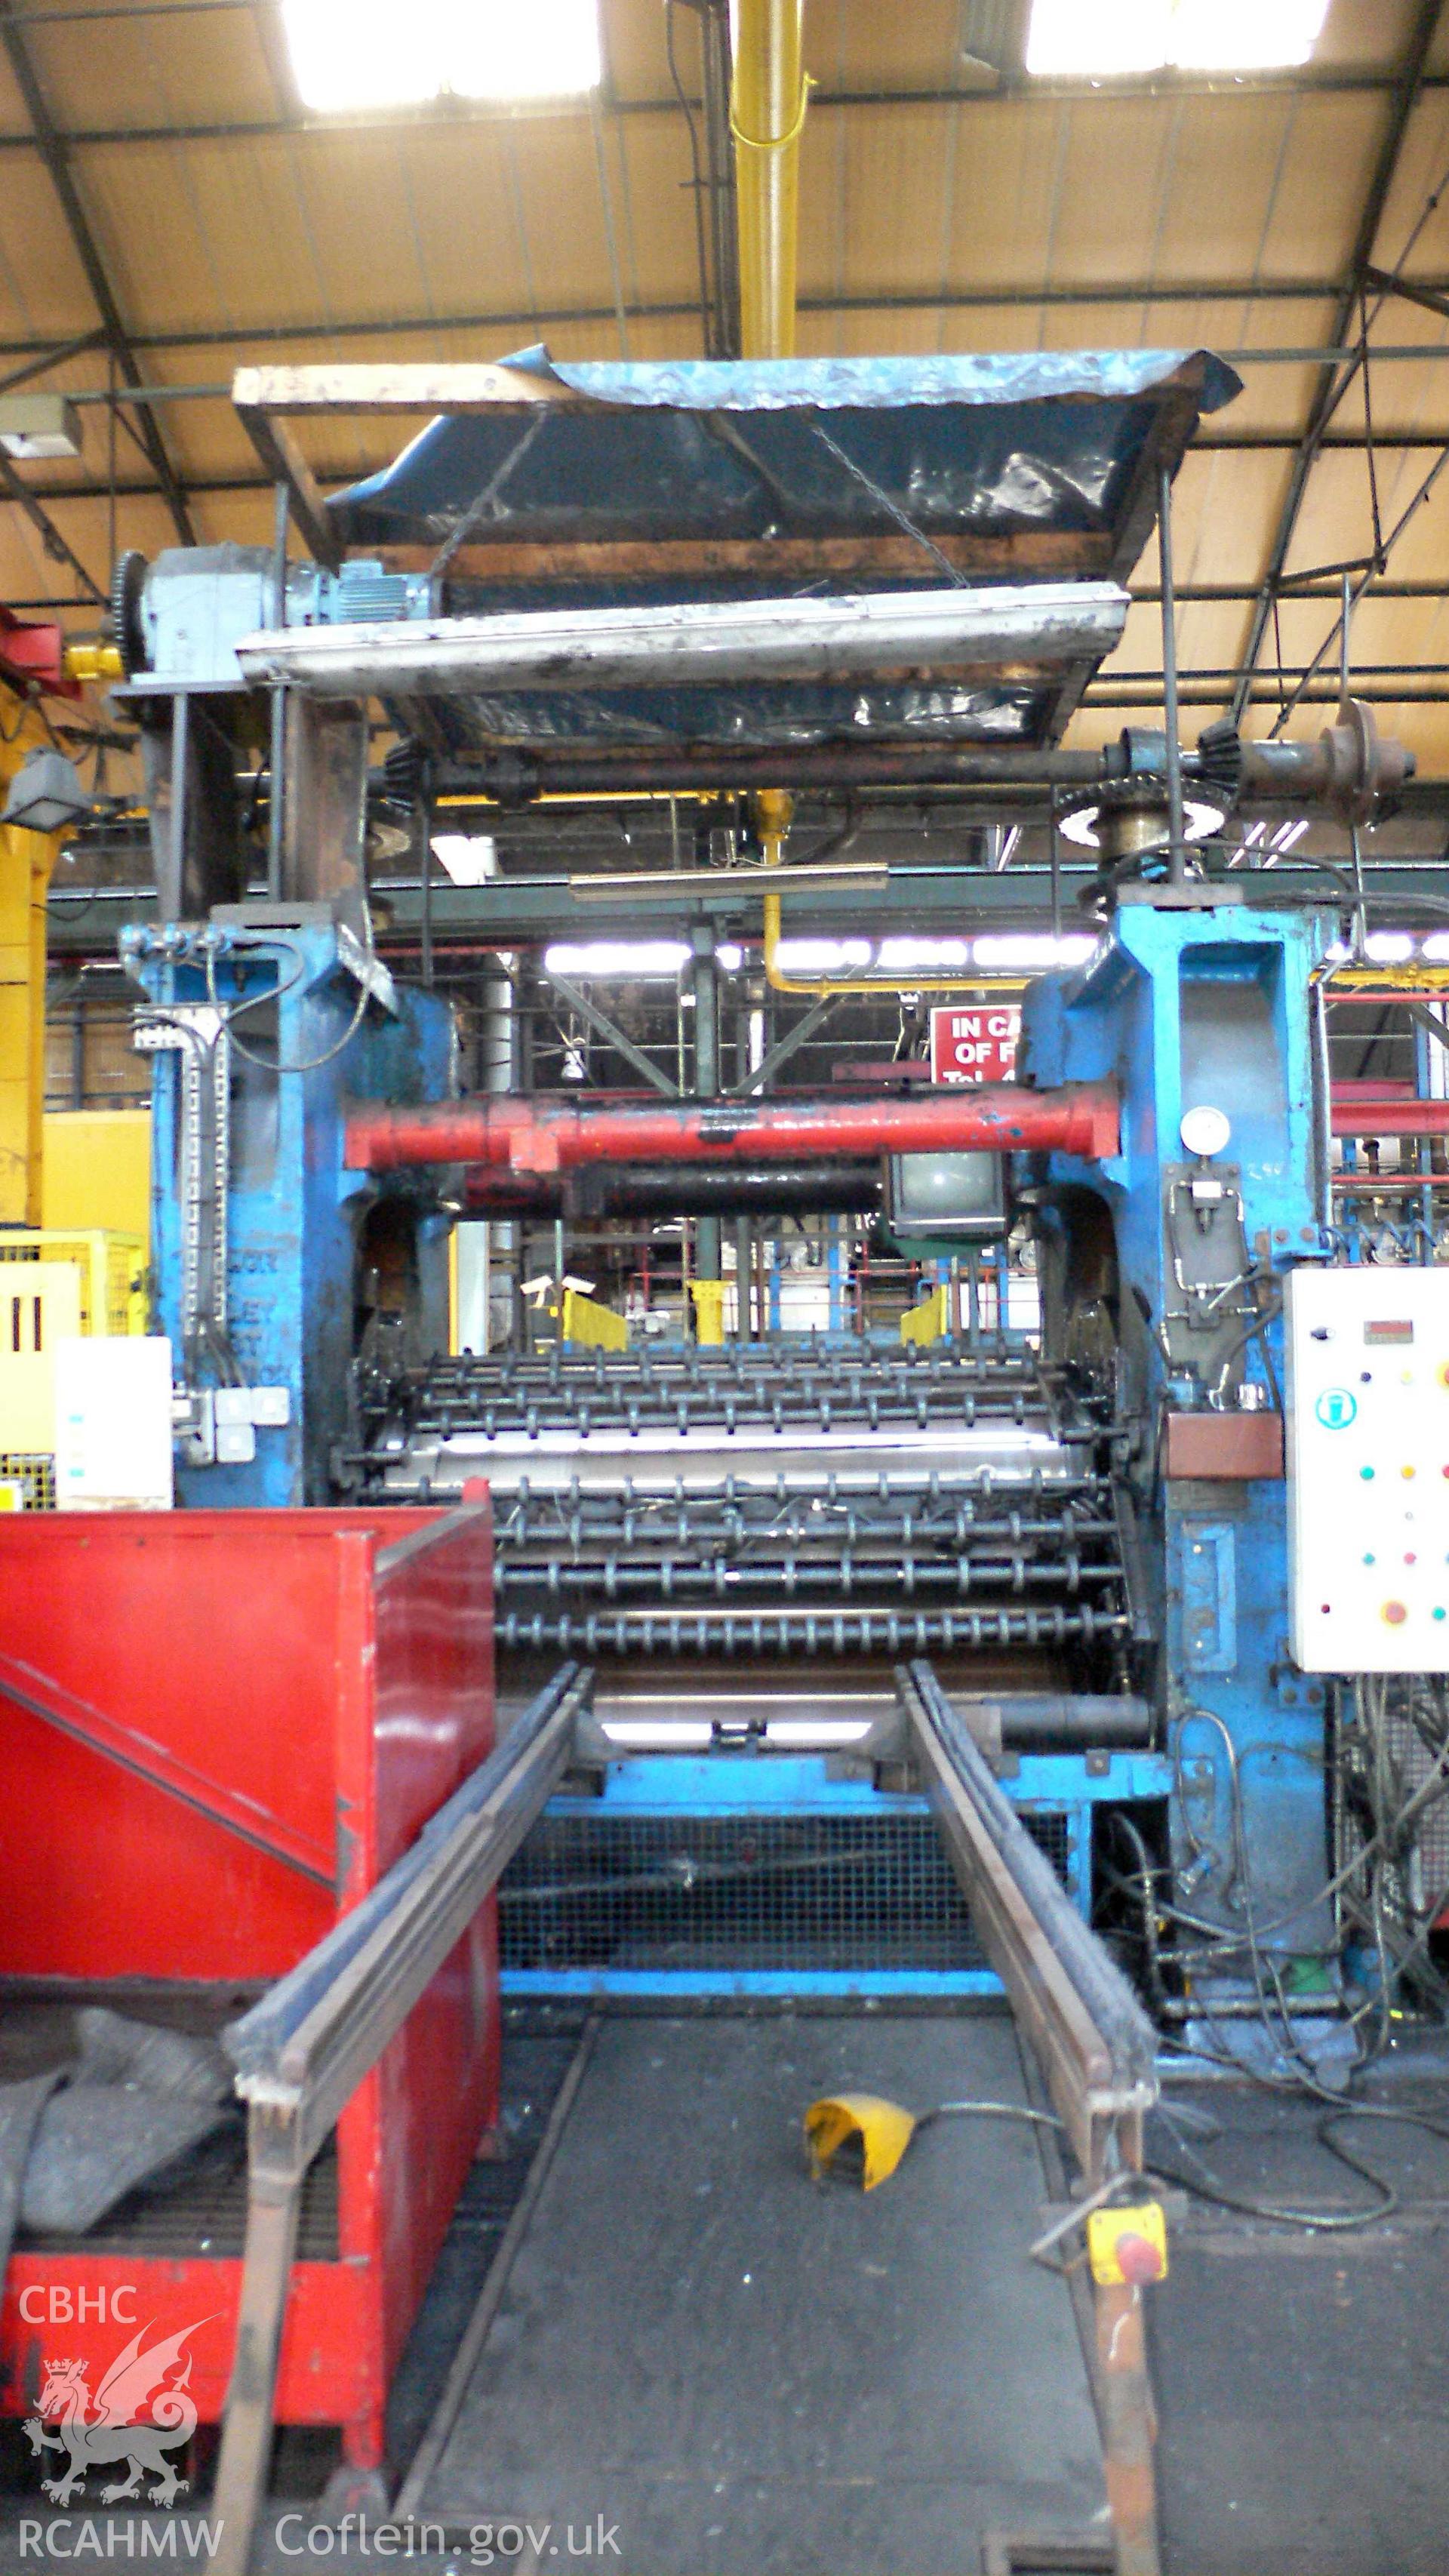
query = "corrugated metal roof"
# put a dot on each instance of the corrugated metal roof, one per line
(937, 216)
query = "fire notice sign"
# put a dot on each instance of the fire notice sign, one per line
(977, 1044)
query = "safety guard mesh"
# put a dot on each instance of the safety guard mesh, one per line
(742, 1892)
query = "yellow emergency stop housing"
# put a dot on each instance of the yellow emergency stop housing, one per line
(1127, 2244)
(883, 2128)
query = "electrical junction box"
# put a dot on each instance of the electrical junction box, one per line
(113, 1423)
(1368, 1469)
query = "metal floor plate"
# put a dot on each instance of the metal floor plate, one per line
(741, 2370)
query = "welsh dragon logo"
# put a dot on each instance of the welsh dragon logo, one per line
(97, 2431)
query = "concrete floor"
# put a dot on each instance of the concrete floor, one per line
(1303, 2380)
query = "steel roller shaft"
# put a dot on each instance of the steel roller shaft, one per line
(768, 1499)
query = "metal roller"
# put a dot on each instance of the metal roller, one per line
(770, 1501)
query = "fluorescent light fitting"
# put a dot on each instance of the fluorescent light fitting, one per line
(1288, 836)
(34, 427)
(349, 56)
(639, 959)
(1107, 39)
(1389, 947)
(918, 956)
(1032, 948)
(470, 858)
(1435, 950)
(823, 956)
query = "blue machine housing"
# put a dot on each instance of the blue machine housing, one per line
(311, 1249)
(1185, 1008)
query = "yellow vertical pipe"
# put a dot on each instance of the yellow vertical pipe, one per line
(767, 113)
(26, 860)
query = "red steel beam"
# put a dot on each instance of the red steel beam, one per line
(549, 1136)
(1390, 1117)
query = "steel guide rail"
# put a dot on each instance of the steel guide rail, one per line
(748, 1632)
(1096, 2048)
(301, 2052)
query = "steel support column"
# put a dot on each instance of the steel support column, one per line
(707, 1253)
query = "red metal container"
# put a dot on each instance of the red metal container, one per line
(247, 1717)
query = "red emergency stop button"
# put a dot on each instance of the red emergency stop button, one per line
(1137, 2259)
(1128, 2245)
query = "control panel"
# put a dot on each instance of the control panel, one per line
(1367, 1397)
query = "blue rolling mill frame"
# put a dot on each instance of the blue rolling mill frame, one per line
(1185, 1007)
(293, 1212)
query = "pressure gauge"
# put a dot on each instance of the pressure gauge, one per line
(1204, 1131)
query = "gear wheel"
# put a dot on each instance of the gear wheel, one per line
(1219, 763)
(403, 769)
(123, 616)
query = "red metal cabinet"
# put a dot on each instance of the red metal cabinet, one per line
(248, 1717)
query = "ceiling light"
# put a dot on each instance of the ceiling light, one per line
(1288, 836)
(1026, 948)
(641, 958)
(36, 426)
(1389, 947)
(1436, 948)
(470, 858)
(352, 55)
(918, 956)
(1103, 39)
(45, 794)
(822, 956)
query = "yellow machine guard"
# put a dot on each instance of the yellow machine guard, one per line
(596, 1326)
